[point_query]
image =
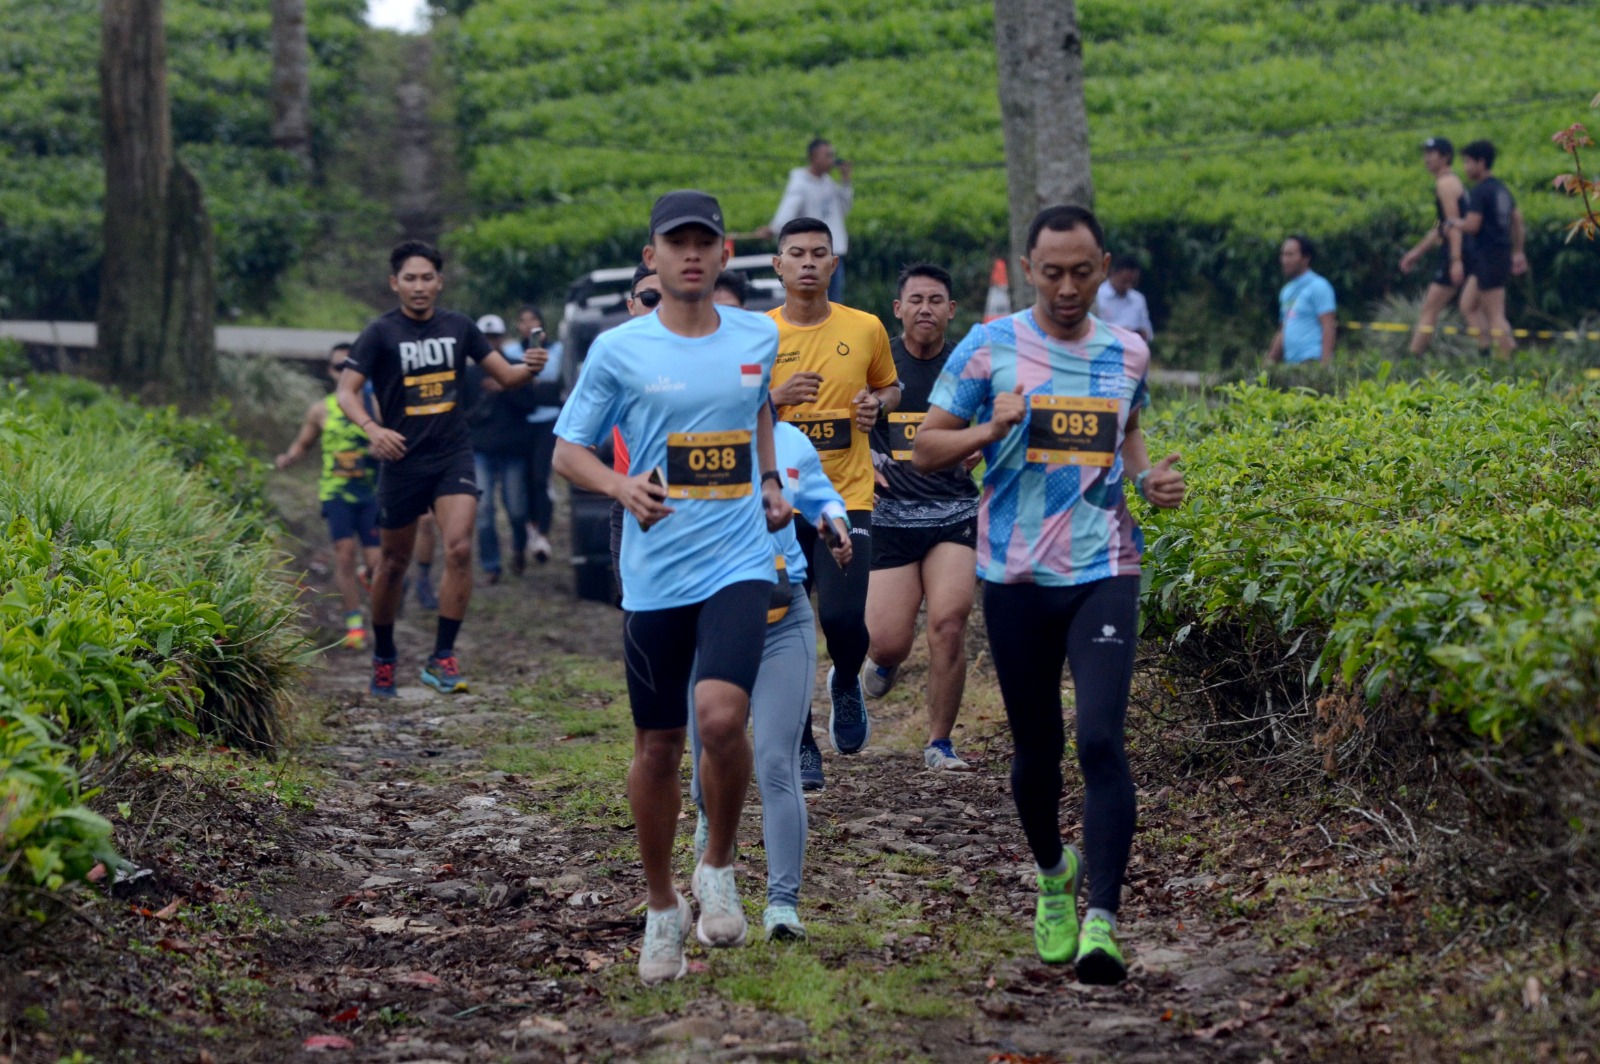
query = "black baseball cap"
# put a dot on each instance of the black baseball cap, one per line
(1441, 145)
(686, 206)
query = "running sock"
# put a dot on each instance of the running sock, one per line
(353, 619)
(806, 737)
(423, 569)
(1101, 914)
(383, 642)
(445, 643)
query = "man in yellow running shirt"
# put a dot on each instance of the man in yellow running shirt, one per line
(833, 379)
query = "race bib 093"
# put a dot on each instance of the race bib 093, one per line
(1072, 430)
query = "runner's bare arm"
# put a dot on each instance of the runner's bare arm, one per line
(641, 498)
(1330, 328)
(1449, 190)
(1519, 261)
(1161, 484)
(776, 507)
(310, 430)
(1421, 248)
(387, 444)
(945, 440)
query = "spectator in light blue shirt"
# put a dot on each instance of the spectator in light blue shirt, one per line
(1306, 304)
(547, 391)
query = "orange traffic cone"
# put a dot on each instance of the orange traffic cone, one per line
(998, 303)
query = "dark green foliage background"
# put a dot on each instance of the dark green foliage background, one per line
(1217, 126)
(219, 54)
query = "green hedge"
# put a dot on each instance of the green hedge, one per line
(140, 597)
(1217, 127)
(220, 70)
(1429, 544)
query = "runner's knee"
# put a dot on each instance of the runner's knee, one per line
(947, 633)
(458, 552)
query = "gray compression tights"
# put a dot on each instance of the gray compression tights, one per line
(779, 705)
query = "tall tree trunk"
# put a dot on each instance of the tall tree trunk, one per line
(1042, 115)
(157, 292)
(291, 79)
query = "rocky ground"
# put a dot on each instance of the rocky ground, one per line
(455, 880)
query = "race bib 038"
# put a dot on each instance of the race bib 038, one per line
(709, 465)
(1072, 430)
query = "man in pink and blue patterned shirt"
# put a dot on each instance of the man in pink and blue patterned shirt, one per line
(1052, 396)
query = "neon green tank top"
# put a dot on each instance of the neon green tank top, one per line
(348, 472)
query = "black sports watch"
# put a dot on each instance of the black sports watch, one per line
(772, 475)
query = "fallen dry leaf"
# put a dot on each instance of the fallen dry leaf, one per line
(349, 1015)
(1533, 994)
(177, 945)
(393, 925)
(318, 1042)
(422, 979)
(170, 910)
(96, 874)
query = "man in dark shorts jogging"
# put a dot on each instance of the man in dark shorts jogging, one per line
(924, 525)
(1056, 394)
(416, 356)
(1493, 222)
(688, 387)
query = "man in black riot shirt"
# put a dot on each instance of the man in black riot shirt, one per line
(415, 356)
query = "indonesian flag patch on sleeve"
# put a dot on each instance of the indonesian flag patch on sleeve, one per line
(794, 478)
(750, 374)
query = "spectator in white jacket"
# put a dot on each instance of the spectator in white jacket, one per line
(812, 192)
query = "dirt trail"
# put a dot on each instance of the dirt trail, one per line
(461, 885)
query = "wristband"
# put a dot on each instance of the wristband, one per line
(364, 424)
(1138, 485)
(772, 475)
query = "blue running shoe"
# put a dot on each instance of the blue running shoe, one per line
(444, 675)
(811, 768)
(848, 726)
(382, 678)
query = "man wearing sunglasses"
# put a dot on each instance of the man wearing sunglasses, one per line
(347, 490)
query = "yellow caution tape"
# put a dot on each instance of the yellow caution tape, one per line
(1460, 330)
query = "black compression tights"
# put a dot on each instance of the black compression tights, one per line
(841, 593)
(1032, 630)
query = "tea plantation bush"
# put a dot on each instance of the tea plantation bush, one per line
(1349, 567)
(220, 71)
(1217, 126)
(140, 598)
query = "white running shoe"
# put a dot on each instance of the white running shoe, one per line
(783, 924)
(722, 921)
(539, 547)
(876, 680)
(662, 957)
(940, 755)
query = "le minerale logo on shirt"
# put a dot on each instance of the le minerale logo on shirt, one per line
(750, 374)
(664, 383)
(423, 354)
(843, 349)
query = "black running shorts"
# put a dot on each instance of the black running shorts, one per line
(895, 547)
(1492, 268)
(404, 496)
(726, 634)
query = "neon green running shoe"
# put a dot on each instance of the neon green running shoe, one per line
(1099, 960)
(1055, 920)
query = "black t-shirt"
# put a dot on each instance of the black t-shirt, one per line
(416, 370)
(1493, 200)
(892, 438)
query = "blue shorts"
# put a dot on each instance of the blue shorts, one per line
(348, 520)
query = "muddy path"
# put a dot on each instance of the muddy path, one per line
(455, 880)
